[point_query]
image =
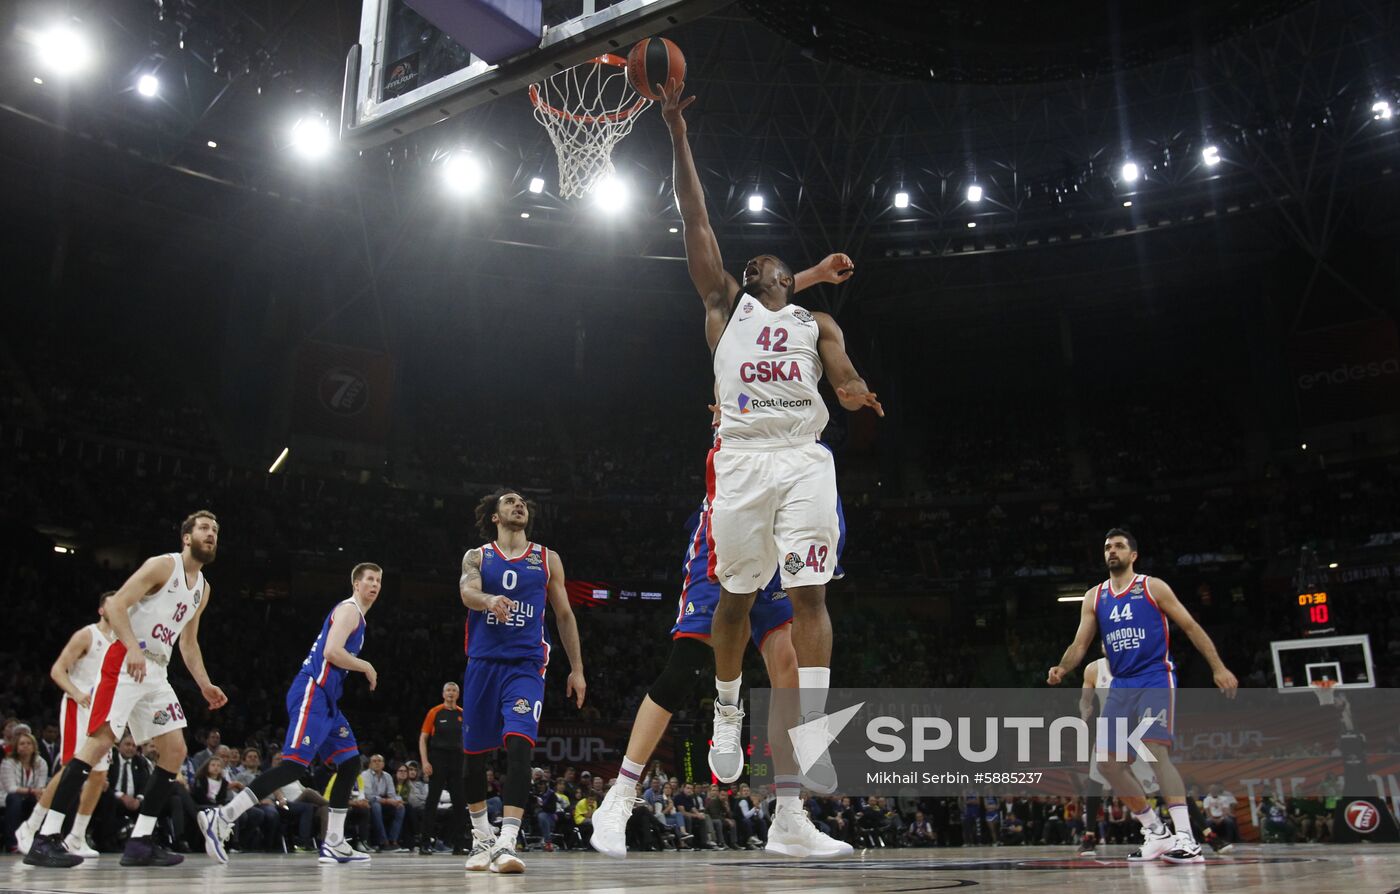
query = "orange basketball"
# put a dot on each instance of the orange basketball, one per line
(653, 61)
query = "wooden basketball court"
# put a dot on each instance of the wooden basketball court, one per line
(1313, 869)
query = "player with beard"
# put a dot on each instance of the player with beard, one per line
(315, 727)
(771, 486)
(505, 586)
(1129, 611)
(166, 596)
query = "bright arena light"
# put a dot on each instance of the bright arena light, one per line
(536, 185)
(755, 203)
(212, 145)
(1211, 156)
(1131, 172)
(674, 230)
(974, 193)
(1380, 110)
(1128, 203)
(148, 85)
(311, 136)
(610, 194)
(901, 200)
(462, 173)
(972, 224)
(63, 50)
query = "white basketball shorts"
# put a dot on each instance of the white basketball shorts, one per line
(772, 507)
(147, 709)
(72, 733)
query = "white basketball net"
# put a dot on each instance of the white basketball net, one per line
(587, 109)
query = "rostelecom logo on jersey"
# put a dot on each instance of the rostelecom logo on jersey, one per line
(747, 404)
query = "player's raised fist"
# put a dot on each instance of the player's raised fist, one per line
(1056, 675)
(836, 268)
(672, 103)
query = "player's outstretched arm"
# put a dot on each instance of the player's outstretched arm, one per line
(851, 389)
(716, 287)
(568, 628)
(343, 623)
(1168, 603)
(77, 647)
(150, 577)
(834, 268)
(1083, 638)
(475, 598)
(193, 656)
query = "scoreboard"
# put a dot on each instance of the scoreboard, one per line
(1316, 613)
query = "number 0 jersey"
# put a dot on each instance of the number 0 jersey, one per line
(524, 580)
(1136, 639)
(767, 369)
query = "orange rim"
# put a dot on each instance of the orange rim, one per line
(611, 117)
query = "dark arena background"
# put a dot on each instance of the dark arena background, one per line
(1116, 264)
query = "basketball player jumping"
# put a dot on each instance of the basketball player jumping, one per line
(505, 585)
(770, 621)
(1130, 612)
(772, 488)
(76, 672)
(315, 727)
(166, 595)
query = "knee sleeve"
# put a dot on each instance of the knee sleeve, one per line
(474, 786)
(517, 786)
(685, 667)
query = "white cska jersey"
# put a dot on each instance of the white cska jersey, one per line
(767, 368)
(158, 619)
(87, 669)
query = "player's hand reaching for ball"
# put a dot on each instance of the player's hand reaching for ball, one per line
(836, 268)
(1056, 675)
(214, 696)
(855, 396)
(576, 687)
(500, 607)
(672, 104)
(1227, 682)
(372, 675)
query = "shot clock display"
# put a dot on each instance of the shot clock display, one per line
(1315, 611)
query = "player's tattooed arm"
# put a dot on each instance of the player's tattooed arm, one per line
(473, 597)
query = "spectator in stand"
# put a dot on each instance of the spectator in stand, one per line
(50, 748)
(752, 826)
(307, 811)
(1055, 828)
(126, 781)
(717, 808)
(493, 796)
(385, 806)
(920, 832)
(583, 816)
(1013, 829)
(1306, 815)
(696, 822)
(546, 810)
(260, 827)
(1219, 808)
(1118, 822)
(564, 814)
(212, 744)
(972, 820)
(1277, 827)
(23, 776)
(440, 750)
(412, 816)
(673, 818)
(357, 817)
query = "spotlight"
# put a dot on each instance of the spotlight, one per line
(536, 185)
(1305, 446)
(974, 193)
(1130, 172)
(524, 215)
(311, 136)
(1211, 156)
(1380, 110)
(972, 224)
(39, 81)
(148, 85)
(755, 203)
(212, 145)
(280, 461)
(1128, 203)
(901, 200)
(610, 194)
(1332, 565)
(462, 173)
(674, 230)
(63, 50)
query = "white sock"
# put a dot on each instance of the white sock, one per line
(481, 825)
(145, 825)
(335, 826)
(80, 824)
(36, 819)
(241, 804)
(790, 802)
(727, 692)
(631, 773)
(509, 828)
(815, 681)
(1181, 818)
(53, 823)
(1149, 820)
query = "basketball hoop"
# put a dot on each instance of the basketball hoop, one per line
(1323, 690)
(587, 110)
